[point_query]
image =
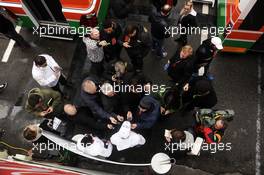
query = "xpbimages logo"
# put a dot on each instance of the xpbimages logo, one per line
(213, 31)
(51, 146)
(212, 147)
(61, 30)
(147, 89)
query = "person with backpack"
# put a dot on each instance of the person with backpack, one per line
(205, 54)
(211, 124)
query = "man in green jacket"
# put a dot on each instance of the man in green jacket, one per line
(44, 102)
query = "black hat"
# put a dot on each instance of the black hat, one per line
(145, 104)
(203, 86)
(107, 24)
(172, 98)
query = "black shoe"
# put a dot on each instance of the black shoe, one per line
(181, 41)
(3, 86)
(2, 132)
(178, 39)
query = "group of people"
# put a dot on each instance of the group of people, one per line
(121, 120)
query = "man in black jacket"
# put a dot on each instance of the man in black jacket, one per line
(181, 67)
(118, 72)
(159, 23)
(91, 98)
(206, 52)
(200, 94)
(136, 41)
(84, 116)
(110, 33)
(186, 22)
(7, 28)
(147, 115)
(111, 100)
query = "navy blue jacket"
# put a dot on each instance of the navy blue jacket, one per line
(147, 119)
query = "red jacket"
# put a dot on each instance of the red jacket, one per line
(212, 136)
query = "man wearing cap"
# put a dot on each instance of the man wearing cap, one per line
(206, 52)
(147, 114)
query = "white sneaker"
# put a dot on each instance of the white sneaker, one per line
(3, 86)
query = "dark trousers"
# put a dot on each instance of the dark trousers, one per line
(137, 63)
(62, 81)
(157, 45)
(183, 39)
(112, 54)
(12, 34)
(97, 69)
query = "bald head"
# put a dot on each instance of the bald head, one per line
(70, 109)
(166, 9)
(89, 87)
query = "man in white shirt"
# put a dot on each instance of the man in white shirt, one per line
(125, 138)
(92, 145)
(47, 72)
